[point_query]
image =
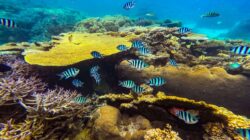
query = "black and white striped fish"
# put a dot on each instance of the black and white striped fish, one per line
(245, 133)
(80, 99)
(129, 5)
(71, 72)
(138, 89)
(241, 50)
(184, 30)
(138, 64)
(127, 84)
(137, 44)
(122, 48)
(172, 62)
(77, 83)
(7, 23)
(144, 51)
(96, 54)
(156, 81)
(187, 117)
(94, 73)
(211, 14)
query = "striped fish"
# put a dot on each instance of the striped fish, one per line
(245, 133)
(211, 14)
(7, 23)
(80, 99)
(172, 62)
(156, 81)
(77, 83)
(94, 73)
(127, 84)
(71, 72)
(129, 5)
(241, 50)
(144, 51)
(138, 89)
(137, 44)
(122, 48)
(187, 117)
(184, 30)
(96, 54)
(138, 64)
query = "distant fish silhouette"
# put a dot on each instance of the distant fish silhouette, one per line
(129, 5)
(210, 14)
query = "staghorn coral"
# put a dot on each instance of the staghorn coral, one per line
(76, 48)
(166, 134)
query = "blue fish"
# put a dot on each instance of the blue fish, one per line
(80, 99)
(8, 23)
(137, 44)
(127, 84)
(184, 30)
(96, 54)
(187, 117)
(245, 133)
(77, 83)
(94, 73)
(138, 89)
(156, 81)
(122, 48)
(129, 5)
(71, 72)
(241, 50)
(144, 51)
(172, 62)
(138, 64)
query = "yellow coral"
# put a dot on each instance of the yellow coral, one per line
(75, 47)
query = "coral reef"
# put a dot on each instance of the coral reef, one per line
(79, 46)
(31, 110)
(218, 122)
(38, 26)
(105, 24)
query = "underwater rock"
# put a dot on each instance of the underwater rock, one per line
(213, 85)
(105, 24)
(218, 121)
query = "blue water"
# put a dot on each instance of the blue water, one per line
(189, 12)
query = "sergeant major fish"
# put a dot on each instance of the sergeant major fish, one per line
(241, 50)
(138, 89)
(94, 73)
(184, 30)
(77, 83)
(137, 44)
(96, 54)
(8, 23)
(71, 72)
(211, 14)
(122, 48)
(127, 84)
(245, 133)
(156, 81)
(129, 5)
(138, 64)
(186, 116)
(144, 51)
(80, 99)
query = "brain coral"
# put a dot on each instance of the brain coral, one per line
(71, 48)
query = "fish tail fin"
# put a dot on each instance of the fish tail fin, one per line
(60, 76)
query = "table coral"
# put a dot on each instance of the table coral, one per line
(70, 52)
